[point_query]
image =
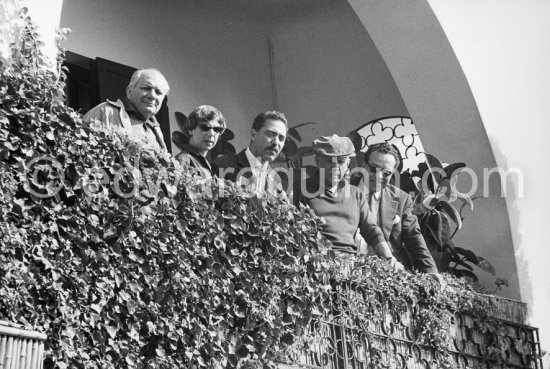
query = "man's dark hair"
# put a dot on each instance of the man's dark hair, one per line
(263, 117)
(384, 148)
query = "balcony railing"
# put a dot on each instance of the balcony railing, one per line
(393, 340)
(20, 348)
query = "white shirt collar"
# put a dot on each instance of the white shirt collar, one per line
(365, 186)
(255, 164)
(258, 169)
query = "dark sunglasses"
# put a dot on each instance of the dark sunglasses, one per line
(206, 128)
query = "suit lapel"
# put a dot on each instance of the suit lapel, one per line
(273, 183)
(242, 160)
(242, 163)
(387, 210)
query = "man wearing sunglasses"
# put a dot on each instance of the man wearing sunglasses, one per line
(204, 127)
(135, 114)
(344, 207)
(392, 208)
(251, 166)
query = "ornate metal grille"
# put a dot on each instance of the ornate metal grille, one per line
(391, 342)
(399, 131)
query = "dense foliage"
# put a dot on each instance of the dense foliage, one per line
(106, 249)
(373, 290)
(126, 261)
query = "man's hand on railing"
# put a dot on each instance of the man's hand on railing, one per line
(383, 250)
(439, 279)
(396, 265)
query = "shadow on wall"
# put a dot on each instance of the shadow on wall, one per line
(524, 276)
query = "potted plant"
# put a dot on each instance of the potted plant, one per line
(433, 187)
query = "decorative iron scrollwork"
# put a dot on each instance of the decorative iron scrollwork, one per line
(389, 340)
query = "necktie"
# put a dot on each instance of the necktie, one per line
(261, 180)
(373, 206)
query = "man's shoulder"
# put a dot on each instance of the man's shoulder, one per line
(230, 160)
(357, 194)
(352, 187)
(110, 104)
(312, 185)
(225, 161)
(105, 107)
(397, 192)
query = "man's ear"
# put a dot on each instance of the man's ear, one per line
(253, 133)
(128, 91)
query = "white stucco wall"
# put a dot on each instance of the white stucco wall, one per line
(329, 71)
(326, 68)
(330, 67)
(438, 97)
(215, 55)
(504, 50)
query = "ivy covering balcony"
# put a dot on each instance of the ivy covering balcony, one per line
(124, 260)
(379, 319)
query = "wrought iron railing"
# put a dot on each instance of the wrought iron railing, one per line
(334, 342)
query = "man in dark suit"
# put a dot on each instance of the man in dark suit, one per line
(251, 166)
(393, 208)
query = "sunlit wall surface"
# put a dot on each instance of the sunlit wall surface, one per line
(504, 50)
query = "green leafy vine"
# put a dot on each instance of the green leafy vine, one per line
(125, 261)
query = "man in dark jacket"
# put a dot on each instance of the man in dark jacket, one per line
(251, 166)
(392, 208)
